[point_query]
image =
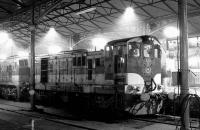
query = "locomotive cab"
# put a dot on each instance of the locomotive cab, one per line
(143, 64)
(134, 62)
(135, 65)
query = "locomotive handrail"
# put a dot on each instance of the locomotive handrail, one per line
(150, 89)
(154, 84)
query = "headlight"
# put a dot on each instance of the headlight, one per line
(130, 89)
(148, 70)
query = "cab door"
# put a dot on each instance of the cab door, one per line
(44, 70)
(90, 69)
(109, 63)
(120, 63)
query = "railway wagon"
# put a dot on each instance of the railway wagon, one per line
(126, 75)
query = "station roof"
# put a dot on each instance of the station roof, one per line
(77, 18)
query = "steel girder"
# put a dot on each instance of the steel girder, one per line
(61, 15)
(48, 13)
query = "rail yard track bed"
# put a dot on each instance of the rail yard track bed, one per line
(157, 122)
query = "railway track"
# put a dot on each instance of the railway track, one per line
(163, 119)
(40, 111)
(52, 117)
(169, 120)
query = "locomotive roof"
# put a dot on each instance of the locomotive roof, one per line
(127, 39)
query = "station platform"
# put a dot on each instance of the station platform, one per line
(130, 124)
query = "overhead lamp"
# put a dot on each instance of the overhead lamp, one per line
(129, 15)
(171, 32)
(99, 42)
(70, 48)
(52, 30)
(3, 57)
(85, 11)
(4, 36)
(9, 43)
(128, 18)
(129, 11)
(51, 34)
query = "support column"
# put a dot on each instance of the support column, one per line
(185, 117)
(32, 71)
(32, 57)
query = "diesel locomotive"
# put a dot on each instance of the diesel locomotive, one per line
(126, 75)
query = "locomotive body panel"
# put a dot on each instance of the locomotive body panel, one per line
(116, 78)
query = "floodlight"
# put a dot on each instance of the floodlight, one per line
(9, 43)
(128, 19)
(171, 32)
(99, 42)
(51, 32)
(3, 56)
(4, 36)
(129, 15)
(52, 29)
(129, 11)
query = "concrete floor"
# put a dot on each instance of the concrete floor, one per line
(13, 121)
(22, 121)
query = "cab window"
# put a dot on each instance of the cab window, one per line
(79, 61)
(134, 50)
(74, 61)
(109, 50)
(97, 62)
(157, 51)
(147, 50)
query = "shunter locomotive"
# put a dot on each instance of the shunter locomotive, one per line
(126, 75)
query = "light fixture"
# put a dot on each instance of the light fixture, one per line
(85, 11)
(70, 48)
(51, 34)
(3, 56)
(9, 43)
(171, 32)
(99, 42)
(4, 36)
(128, 20)
(129, 15)
(129, 11)
(52, 29)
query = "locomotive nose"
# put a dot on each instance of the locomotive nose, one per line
(147, 68)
